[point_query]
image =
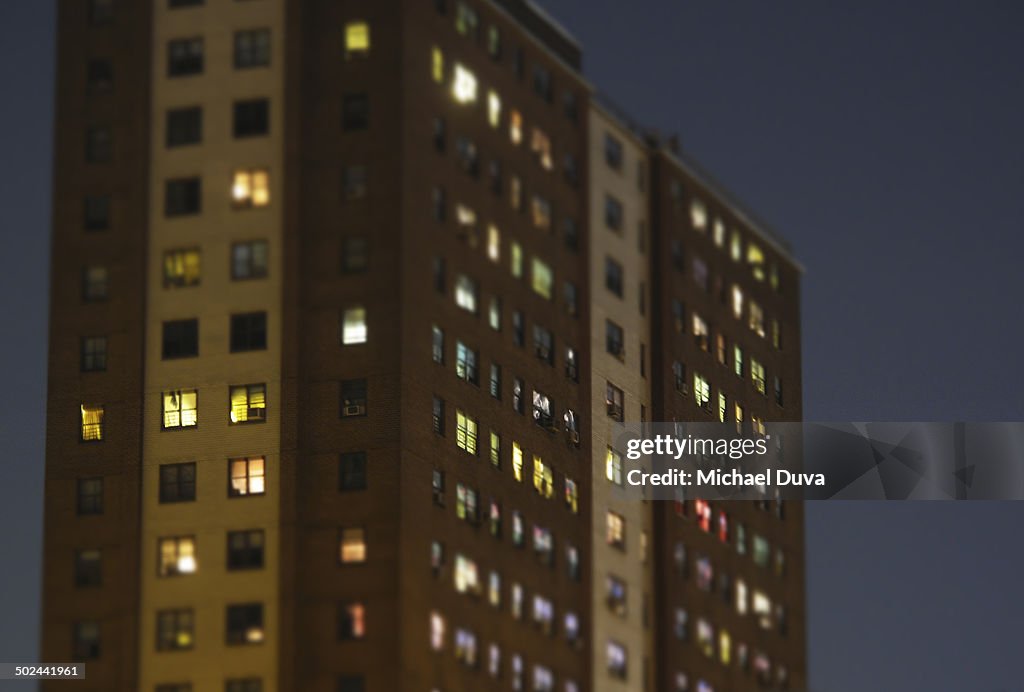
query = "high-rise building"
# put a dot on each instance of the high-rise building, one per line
(347, 300)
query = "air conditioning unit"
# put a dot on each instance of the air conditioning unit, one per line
(354, 410)
(574, 437)
(257, 413)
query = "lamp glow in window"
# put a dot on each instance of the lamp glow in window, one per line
(353, 545)
(741, 597)
(467, 578)
(179, 409)
(465, 293)
(543, 478)
(353, 330)
(250, 188)
(247, 477)
(493, 108)
(737, 302)
(540, 144)
(613, 466)
(176, 556)
(698, 215)
(515, 127)
(464, 85)
(543, 278)
(248, 403)
(437, 64)
(92, 423)
(493, 243)
(465, 432)
(755, 258)
(357, 39)
(517, 461)
(761, 605)
(436, 631)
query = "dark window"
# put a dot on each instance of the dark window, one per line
(175, 687)
(252, 48)
(570, 106)
(101, 12)
(440, 205)
(437, 487)
(518, 398)
(244, 685)
(249, 260)
(90, 496)
(182, 196)
(181, 339)
(544, 344)
(244, 623)
(175, 629)
(352, 471)
(355, 112)
(542, 82)
(571, 305)
(183, 3)
(439, 275)
(88, 567)
(252, 118)
(86, 641)
(354, 254)
(614, 401)
(178, 482)
(99, 74)
(185, 57)
(99, 144)
(494, 171)
(184, 126)
(245, 549)
(353, 398)
(613, 152)
(613, 276)
(495, 381)
(351, 683)
(612, 213)
(437, 415)
(96, 215)
(614, 340)
(93, 354)
(518, 328)
(354, 181)
(248, 332)
(94, 284)
(439, 133)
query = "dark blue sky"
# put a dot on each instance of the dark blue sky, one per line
(884, 141)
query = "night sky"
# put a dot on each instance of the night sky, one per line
(883, 140)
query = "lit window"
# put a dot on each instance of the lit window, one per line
(614, 402)
(353, 329)
(755, 258)
(176, 556)
(249, 260)
(466, 363)
(735, 246)
(465, 432)
(615, 525)
(517, 461)
(92, 423)
(437, 64)
(181, 268)
(245, 623)
(542, 410)
(542, 277)
(516, 259)
(540, 145)
(572, 495)
(464, 85)
(86, 644)
(179, 409)
(543, 478)
(352, 546)
(465, 220)
(465, 293)
(613, 466)
(467, 504)
(738, 416)
(174, 629)
(615, 654)
(737, 360)
(493, 108)
(701, 333)
(465, 647)
(757, 376)
(466, 575)
(436, 631)
(761, 606)
(705, 637)
(741, 597)
(701, 391)
(95, 281)
(493, 243)
(248, 403)
(357, 39)
(515, 127)
(698, 215)
(515, 192)
(351, 621)
(517, 601)
(756, 318)
(247, 476)
(540, 212)
(737, 302)
(250, 188)
(719, 233)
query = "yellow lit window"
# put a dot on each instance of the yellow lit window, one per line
(515, 192)
(542, 278)
(437, 64)
(736, 246)
(465, 432)
(540, 145)
(493, 243)
(755, 258)
(543, 478)
(615, 526)
(92, 423)
(738, 415)
(725, 647)
(357, 39)
(353, 546)
(723, 408)
(572, 495)
(181, 268)
(517, 260)
(698, 216)
(247, 476)
(353, 326)
(248, 403)
(757, 375)
(180, 409)
(177, 555)
(515, 126)
(701, 391)
(464, 85)
(251, 188)
(493, 108)
(613, 466)
(757, 425)
(756, 319)
(540, 212)
(517, 461)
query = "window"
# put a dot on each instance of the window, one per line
(244, 685)
(437, 344)
(355, 256)
(184, 126)
(542, 411)
(737, 360)
(494, 42)
(92, 423)
(437, 627)
(613, 466)
(615, 530)
(93, 354)
(249, 332)
(612, 213)
(352, 546)
(244, 623)
(353, 326)
(469, 159)
(701, 333)
(464, 85)
(174, 629)
(494, 313)
(96, 213)
(101, 12)
(185, 57)
(248, 403)
(679, 377)
(252, 48)
(540, 146)
(493, 108)
(180, 339)
(615, 655)
(493, 243)
(95, 281)
(756, 319)
(437, 64)
(352, 471)
(517, 396)
(466, 363)
(251, 118)
(614, 340)
(465, 647)
(572, 367)
(757, 376)
(249, 260)
(495, 452)
(176, 556)
(542, 278)
(543, 478)
(89, 496)
(175, 4)
(437, 487)
(466, 20)
(465, 293)
(250, 188)
(678, 315)
(357, 39)
(777, 387)
(613, 151)
(517, 461)
(702, 392)
(88, 568)
(615, 595)
(720, 352)
(542, 82)
(86, 644)
(438, 415)
(177, 482)
(246, 476)
(614, 402)
(544, 344)
(737, 302)
(540, 212)
(613, 276)
(467, 506)
(182, 197)
(351, 683)
(355, 112)
(351, 621)
(465, 432)
(181, 268)
(180, 409)
(353, 397)
(698, 215)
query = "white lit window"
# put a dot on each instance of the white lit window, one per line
(465, 647)
(493, 108)
(493, 243)
(465, 293)
(737, 302)
(761, 605)
(177, 555)
(615, 654)
(719, 233)
(613, 466)
(698, 215)
(353, 329)
(467, 578)
(735, 246)
(701, 391)
(464, 85)
(741, 597)
(542, 278)
(436, 631)
(615, 526)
